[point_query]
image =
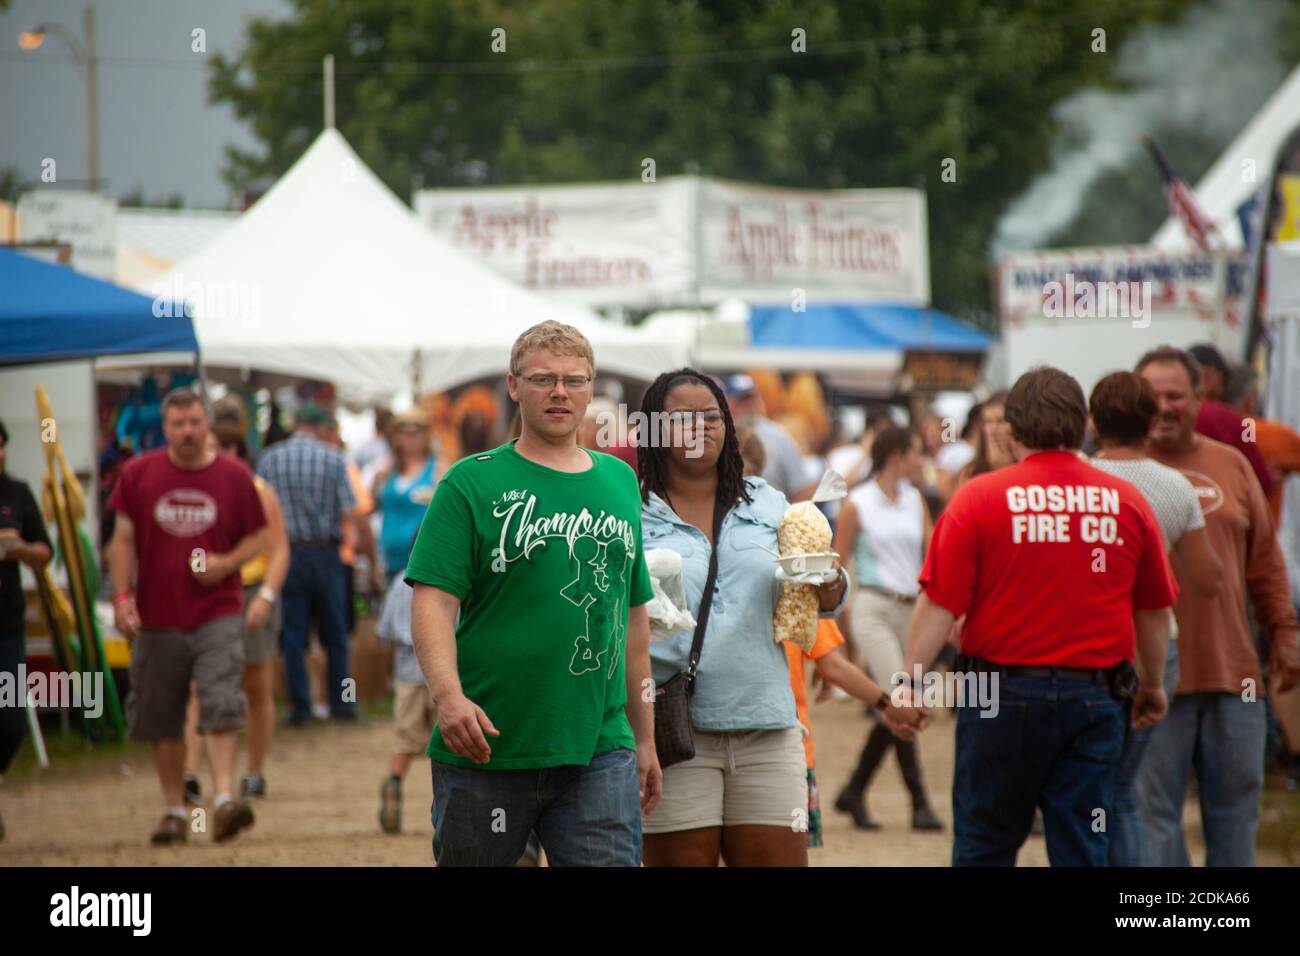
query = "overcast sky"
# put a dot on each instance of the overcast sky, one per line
(156, 128)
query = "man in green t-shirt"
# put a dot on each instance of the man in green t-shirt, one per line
(542, 686)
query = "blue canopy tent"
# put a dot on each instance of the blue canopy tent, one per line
(51, 313)
(863, 327)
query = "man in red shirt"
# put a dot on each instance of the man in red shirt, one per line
(189, 518)
(1222, 422)
(1053, 562)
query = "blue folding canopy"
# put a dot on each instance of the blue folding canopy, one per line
(51, 313)
(863, 327)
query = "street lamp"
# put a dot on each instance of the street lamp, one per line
(85, 56)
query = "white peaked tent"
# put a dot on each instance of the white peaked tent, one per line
(331, 276)
(1223, 189)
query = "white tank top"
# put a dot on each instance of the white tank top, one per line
(887, 553)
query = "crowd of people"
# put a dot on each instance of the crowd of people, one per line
(1107, 565)
(1059, 580)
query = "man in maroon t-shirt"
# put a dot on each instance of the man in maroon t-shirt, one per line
(1222, 422)
(1052, 562)
(189, 519)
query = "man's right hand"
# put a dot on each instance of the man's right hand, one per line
(127, 619)
(463, 725)
(1150, 706)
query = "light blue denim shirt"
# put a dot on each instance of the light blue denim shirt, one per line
(743, 681)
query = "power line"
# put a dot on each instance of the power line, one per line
(881, 46)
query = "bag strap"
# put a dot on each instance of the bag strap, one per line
(706, 600)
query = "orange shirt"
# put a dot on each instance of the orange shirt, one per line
(1279, 446)
(829, 637)
(1216, 650)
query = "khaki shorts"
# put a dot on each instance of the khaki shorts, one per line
(162, 665)
(261, 643)
(414, 714)
(750, 777)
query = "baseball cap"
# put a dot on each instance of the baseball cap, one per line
(739, 386)
(312, 414)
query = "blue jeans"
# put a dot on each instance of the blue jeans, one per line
(1221, 737)
(1053, 744)
(314, 587)
(584, 816)
(1128, 839)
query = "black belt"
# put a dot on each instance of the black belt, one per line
(979, 664)
(892, 595)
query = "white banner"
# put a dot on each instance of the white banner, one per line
(691, 240)
(606, 244)
(1030, 283)
(1091, 311)
(85, 221)
(762, 244)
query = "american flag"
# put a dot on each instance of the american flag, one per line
(1182, 201)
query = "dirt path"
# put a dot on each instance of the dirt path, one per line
(324, 784)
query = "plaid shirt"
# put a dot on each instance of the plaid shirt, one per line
(311, 481)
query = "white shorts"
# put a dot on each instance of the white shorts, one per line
(749, 777)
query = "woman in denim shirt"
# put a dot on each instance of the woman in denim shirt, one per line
(740, 798)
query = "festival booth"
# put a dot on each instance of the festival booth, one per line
(57, 328)
(330, 277)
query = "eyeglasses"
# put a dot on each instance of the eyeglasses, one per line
(687, 419)
(547, 380)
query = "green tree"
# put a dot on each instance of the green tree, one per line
(885, 93)
(137, 197)
(10, 181)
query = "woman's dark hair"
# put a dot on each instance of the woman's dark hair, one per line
(4, 434)
(652, 458)
(892, 441)
(980, 464)
(1123, 405)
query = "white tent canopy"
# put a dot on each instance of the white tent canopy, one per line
(330, 276)
(1225, 187)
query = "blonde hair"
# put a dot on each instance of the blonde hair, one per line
(553, 337)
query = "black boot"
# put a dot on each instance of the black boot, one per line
(923, 818)
(851, 800)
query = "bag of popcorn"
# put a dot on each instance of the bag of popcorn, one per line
(804, 530)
